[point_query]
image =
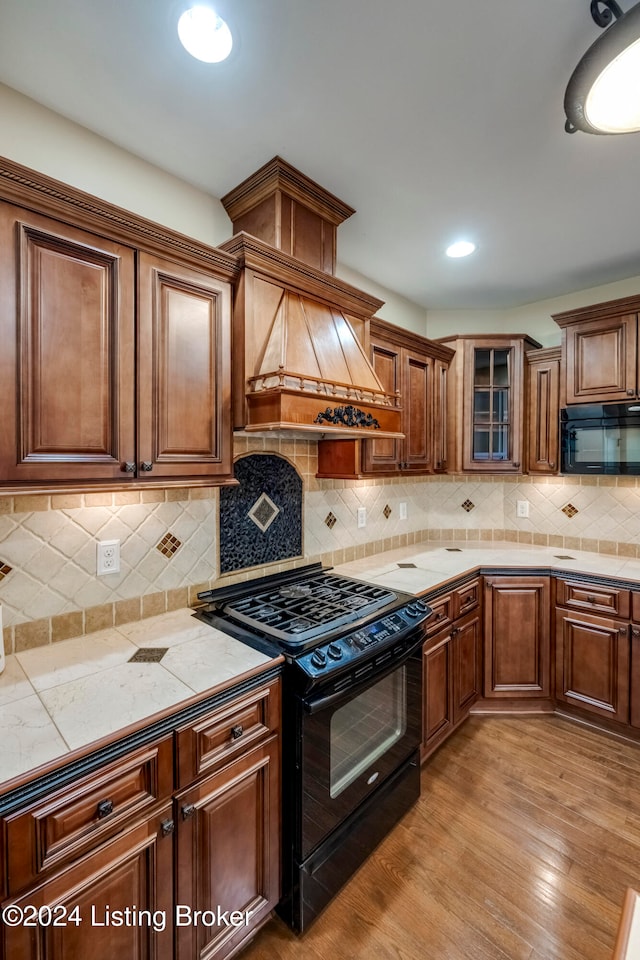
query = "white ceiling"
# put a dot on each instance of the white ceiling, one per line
(435, 119)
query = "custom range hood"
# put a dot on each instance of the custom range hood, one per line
(300, 333)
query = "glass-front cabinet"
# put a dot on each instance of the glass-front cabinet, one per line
(486, 409)
(492, 436)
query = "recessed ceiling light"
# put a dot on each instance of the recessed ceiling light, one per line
(204, 34)
(462, 248)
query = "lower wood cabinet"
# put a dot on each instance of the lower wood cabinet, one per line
(634, 705)
(228, 852)
(592, 664)
(118, 864)
(96, 905)
(451, 678)
(517, 652)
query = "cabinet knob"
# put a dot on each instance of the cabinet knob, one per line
(631, 393)
(591, 599)
(635, 632)
(146, 466)
(236, 732)
(517, 466)
(622, 631)
(128, 467)
(167, 827)
(552, 464)
(455, 631)
(188, 810)
(105, 807)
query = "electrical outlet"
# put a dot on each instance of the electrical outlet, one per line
(522, 508)
(403, 510)
(108, 557)
(362, 516)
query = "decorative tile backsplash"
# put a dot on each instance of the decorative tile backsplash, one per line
(48, 584)
(261, 518)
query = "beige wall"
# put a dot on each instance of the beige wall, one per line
(397, 309)
(532, 318)
(38, 138)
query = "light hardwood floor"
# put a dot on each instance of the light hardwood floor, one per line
(521, 846)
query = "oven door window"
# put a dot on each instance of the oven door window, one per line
(365, 728)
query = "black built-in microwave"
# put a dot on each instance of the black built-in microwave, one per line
(600, 438)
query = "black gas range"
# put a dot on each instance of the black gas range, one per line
(325, 623)
(352, 716)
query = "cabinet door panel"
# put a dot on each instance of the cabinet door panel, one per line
(417, 421)
(592, 669)
(184, 372)
(467, 659)
(437, 682)
(67, 370)
(517, 637)
(543, 411)
(601, 359)
(383, 456)
(133, 872)
(228, 850)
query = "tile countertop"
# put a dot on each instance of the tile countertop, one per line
(433, 565)
(61, 698)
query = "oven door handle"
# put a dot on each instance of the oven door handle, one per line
(316, 704)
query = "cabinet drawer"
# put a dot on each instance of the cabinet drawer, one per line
(442, 614)
(594, 598)
(226, 732)
(466, 598)
(76, 819)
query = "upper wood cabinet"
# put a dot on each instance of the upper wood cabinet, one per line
(116, 359)
(542, 412)
(600, 352)
(416, 369)
(486, 410)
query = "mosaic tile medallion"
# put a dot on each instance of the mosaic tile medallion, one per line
(5, 570)
(263, 512)
(168, 545)
(569, 510)
(468, 505)
(387, 511)
(330, 520)
(261, 518)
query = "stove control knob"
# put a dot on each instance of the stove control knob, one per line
(359, 640)
(318, 659)
(334, 651)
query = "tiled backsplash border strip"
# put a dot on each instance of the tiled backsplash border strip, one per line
(30, 503)
(36, 633)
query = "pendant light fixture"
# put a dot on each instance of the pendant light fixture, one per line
(603, 94)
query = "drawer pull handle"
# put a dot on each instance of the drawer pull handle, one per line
(167, 827)
(236, 732)
(439, 615)
(470, 599)
(188, 810)
(591, 599)
(105, 807)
